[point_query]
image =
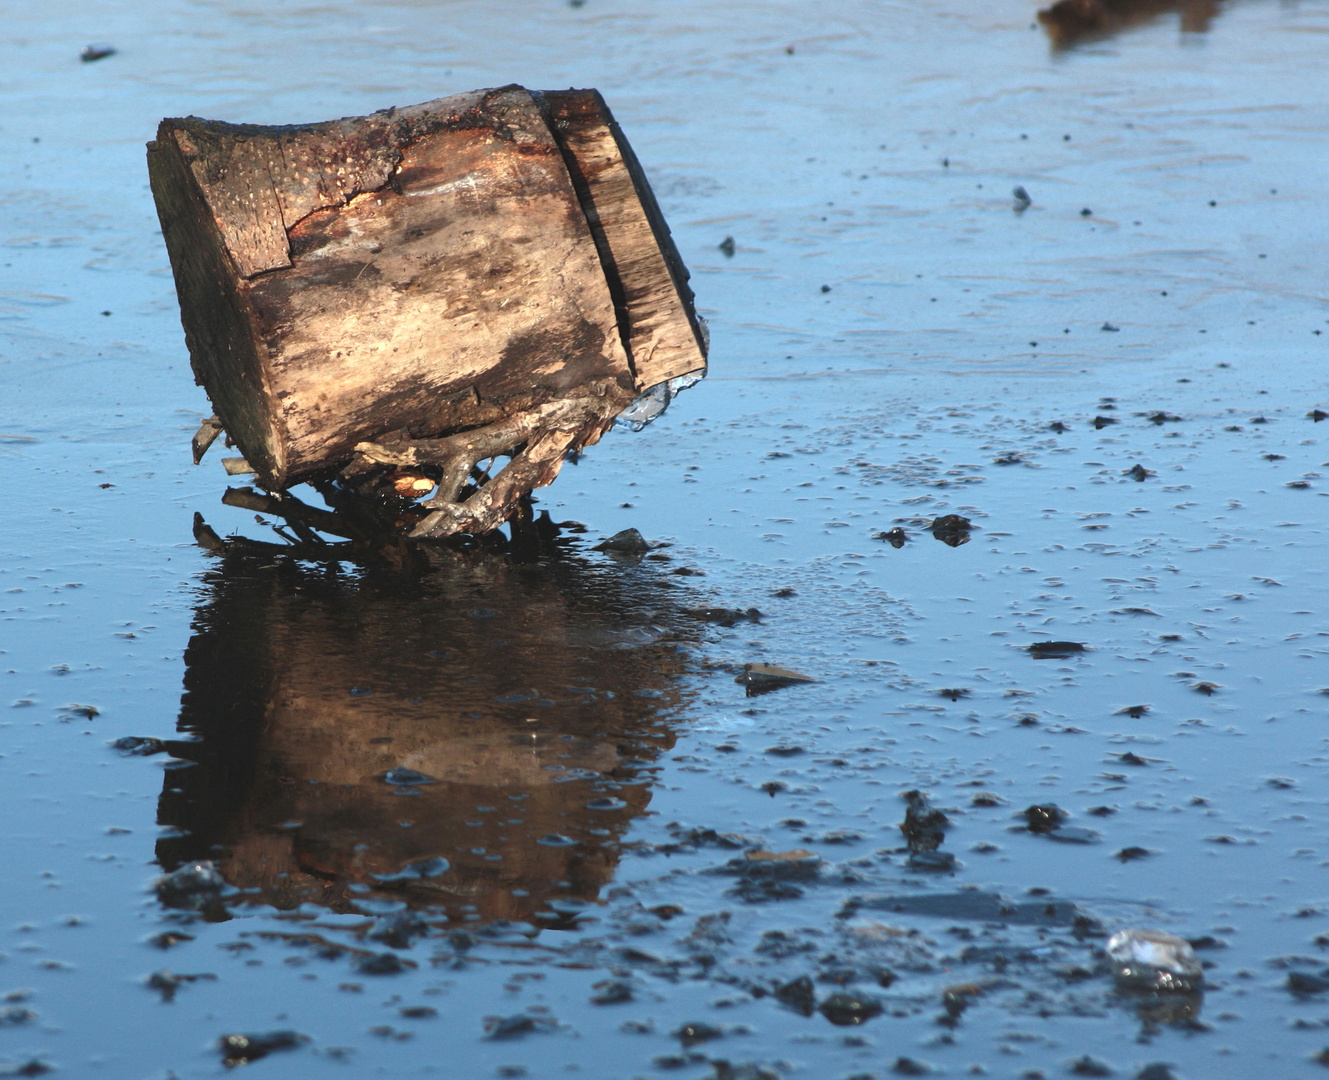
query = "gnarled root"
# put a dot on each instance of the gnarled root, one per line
(537, 439)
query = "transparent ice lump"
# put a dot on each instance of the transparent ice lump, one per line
(650, 404)
(1153, 960)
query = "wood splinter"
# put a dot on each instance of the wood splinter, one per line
(426, 288)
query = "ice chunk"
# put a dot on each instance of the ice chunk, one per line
(1153, 960)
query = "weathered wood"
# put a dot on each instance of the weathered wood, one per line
(664, 338)
(421, 272)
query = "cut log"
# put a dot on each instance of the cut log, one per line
(491, 264)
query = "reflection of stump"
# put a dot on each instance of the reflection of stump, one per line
(524, 697)
(482, 275)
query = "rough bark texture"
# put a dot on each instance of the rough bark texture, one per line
(421, 272)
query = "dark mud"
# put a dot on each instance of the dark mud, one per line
(776, 786)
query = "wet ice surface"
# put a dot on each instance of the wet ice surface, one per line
(710, 877)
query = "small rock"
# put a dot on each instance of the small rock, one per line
(896, 537)
(612, 992)
(626, 542)
(1107, 326)
(692, 1034)
(763, 678)
(952, 529)
(90, 53)
(1054, 650)
(727, 247)
(512, 1027)
(1088, 1066)
(380, 964)
(847, 1010)
(1156, 1071)
(1305, 982)
(799, 995)
(1138, 472)
(1130, 854)
(1044, 818)
(242, 1049)
(907, 1066)
(1022, 199)
(924, 827)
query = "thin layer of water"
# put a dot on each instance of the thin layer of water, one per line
(542, 791)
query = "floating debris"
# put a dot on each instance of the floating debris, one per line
(1138, 472)
(1154, 960)
(1022, 199)
(91, 53)
(727, 247)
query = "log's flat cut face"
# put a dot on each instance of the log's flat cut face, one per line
(473, 268)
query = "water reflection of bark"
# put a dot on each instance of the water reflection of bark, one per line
(523, 692)
(1069, 22)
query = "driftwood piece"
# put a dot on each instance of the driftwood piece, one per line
(491, 265)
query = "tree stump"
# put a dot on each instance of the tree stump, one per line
(478, 276)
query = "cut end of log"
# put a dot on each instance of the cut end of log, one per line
(486, 274)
